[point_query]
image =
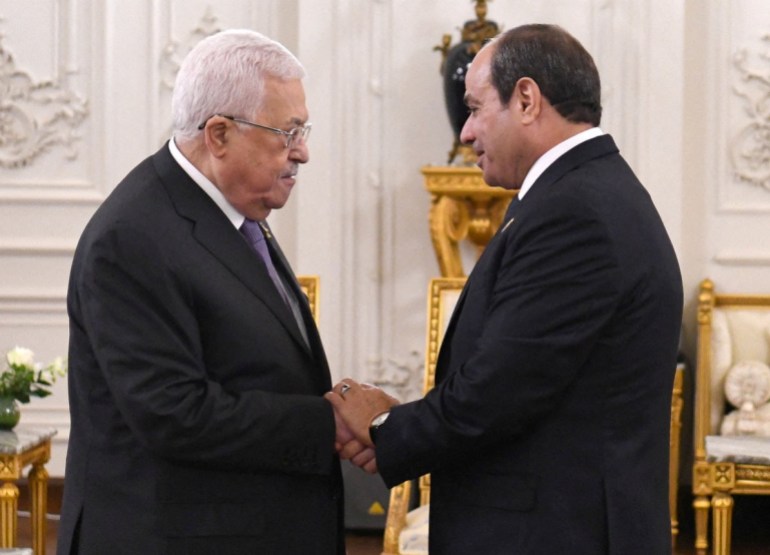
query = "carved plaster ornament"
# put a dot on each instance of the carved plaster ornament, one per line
(175, 51)
(750, 147)
(747, 386)
(35, 116)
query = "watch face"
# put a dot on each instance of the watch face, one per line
(376, 423)
(379, 419)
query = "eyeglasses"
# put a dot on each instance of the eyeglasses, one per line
(299, 133)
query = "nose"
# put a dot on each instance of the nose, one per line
(467, 136)
(299, 152)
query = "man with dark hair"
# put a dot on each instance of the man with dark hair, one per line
(558, 63)
(547, 431)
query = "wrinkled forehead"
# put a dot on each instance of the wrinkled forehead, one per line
(285, 100)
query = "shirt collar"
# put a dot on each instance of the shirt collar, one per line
(205, 183)
(554, 154)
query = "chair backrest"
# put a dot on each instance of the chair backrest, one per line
(310, 286)
(443, 294)
(731, 329)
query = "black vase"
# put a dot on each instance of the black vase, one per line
(456, 65)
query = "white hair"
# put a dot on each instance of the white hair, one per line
(225, 74)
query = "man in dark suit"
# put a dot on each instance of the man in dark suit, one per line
(196, 371)
(547, 431)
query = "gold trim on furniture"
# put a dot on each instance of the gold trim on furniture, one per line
(443, 294)
(18, 449)
(677, 402)
(310, 286)
(715, 482)
(442, 297)
(463, 207)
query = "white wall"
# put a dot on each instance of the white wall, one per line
(359, 215)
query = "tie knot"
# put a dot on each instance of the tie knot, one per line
(252, 231)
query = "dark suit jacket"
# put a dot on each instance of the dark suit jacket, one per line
(198, 423)
(547, 431)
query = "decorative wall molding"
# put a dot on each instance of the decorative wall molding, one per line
(172, 53)
(742, 258)
(43, 194)
(35, 116)
(750, 147)
(45, 247)
(29, 309)
(175, 51)
(55, 416)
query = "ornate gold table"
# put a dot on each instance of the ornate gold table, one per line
(24, 446)
(463, 207)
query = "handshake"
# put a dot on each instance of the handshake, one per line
(355, 406)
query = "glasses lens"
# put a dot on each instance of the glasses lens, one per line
(297, 135)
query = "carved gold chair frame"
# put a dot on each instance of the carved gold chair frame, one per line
(443, 293)
(716, 481)
(310, 286)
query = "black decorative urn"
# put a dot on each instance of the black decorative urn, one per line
(454, 65)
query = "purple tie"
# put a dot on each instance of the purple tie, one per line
(253, 233)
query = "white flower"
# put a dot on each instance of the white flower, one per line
(19, 356)
(58, 367)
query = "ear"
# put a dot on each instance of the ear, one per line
(217, 135)
(528, 99)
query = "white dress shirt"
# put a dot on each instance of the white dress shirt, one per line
(552, 155)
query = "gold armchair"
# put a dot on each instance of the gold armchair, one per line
(442, 296)
(732, 329)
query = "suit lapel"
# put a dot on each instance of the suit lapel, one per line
(316, 346)
(216, 234)
(284, 268)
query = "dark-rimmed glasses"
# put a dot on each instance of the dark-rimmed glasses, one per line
(301, 132)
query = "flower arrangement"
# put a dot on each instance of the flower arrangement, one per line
(22, 378)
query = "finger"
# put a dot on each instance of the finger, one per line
(371, 466)
(351, 449)
(363, 458)
(344, 386)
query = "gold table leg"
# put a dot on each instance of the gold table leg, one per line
(9, 502)
(38, 489)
